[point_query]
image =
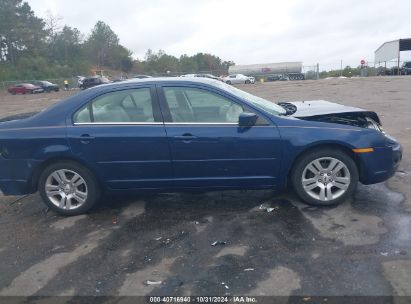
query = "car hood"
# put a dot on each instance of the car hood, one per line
(326, 111)
(320, 107)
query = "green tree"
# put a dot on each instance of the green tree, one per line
(21, 32)
(104, 50)
(160, 62)
(68, 45)
(211, 63)
(120, 58)
(52, 28)
(101, 41)
(187, 65)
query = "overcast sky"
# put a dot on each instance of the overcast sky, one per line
(323, 31)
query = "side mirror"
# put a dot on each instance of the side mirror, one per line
(247, 119)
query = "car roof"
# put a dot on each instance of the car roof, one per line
(156, 80)
(172, 79)
(159, 80)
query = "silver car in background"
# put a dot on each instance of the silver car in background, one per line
(238, 78)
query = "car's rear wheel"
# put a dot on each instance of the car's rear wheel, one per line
(68, 188)
(325, 177)
(228, 82)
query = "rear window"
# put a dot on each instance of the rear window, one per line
(118, 107)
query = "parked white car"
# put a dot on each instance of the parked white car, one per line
(188, 75)
(80, 80)
(238, 78)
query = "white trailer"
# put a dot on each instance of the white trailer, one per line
(283, 70)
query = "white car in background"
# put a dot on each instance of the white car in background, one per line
(80, 80)
(238, 78)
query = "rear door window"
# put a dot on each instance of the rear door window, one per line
(127, 106)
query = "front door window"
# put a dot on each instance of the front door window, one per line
(199, 106)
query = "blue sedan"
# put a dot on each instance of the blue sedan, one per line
(170, 134)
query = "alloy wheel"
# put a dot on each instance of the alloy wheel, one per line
(66, 189)
(326, 178)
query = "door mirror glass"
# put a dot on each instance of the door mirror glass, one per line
(247, 119)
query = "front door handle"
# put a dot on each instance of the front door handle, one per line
(85, 138)
(187, 137)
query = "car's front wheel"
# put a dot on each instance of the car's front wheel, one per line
(325, 177)
(68, 188)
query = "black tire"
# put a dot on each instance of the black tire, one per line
(13, 93)
(91, 182)
(228, 82)
(247, 81)
(307, 158)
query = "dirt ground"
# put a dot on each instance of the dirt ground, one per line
(362, 247)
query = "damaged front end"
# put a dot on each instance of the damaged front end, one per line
(325, 111)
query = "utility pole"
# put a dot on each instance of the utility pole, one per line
(341, 68)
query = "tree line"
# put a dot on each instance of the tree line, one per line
(35, 48)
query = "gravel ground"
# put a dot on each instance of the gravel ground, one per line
(362, 247)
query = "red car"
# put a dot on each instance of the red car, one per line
(24, 88)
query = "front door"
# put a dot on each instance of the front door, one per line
(208, 148)
(121, 134)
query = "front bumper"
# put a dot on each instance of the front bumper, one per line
(380, 165)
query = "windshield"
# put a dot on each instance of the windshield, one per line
(259, 102)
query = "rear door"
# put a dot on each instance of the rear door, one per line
(208, 148)
(122, 136)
